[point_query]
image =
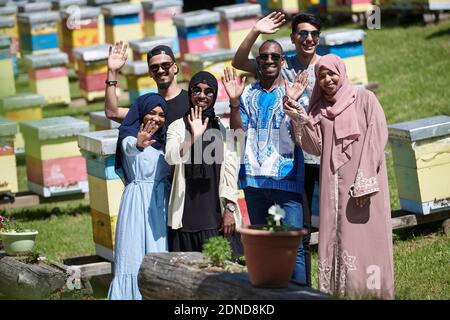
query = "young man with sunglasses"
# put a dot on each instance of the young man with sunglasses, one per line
(305, 35)
(162, 68)
(272, 168)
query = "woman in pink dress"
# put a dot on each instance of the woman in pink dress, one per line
(347, 128)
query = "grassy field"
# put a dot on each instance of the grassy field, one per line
(410, 64)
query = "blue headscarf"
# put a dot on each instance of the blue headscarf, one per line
(130, 126)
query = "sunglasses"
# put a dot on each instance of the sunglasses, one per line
(165, 66)
(265, 56)
(305, 33)
(196, 91)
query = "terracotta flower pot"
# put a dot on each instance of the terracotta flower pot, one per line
(270, 256)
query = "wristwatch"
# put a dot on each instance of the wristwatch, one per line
(230, 206)
(111, 82)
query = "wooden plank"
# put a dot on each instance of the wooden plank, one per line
(89, 266)
(25, 199)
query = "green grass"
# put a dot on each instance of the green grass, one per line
(411, 66)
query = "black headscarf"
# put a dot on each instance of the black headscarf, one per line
(130, 126)
(199, 171)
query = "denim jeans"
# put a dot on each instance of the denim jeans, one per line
(259, 201)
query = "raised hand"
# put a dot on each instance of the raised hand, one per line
(117, 56)
(195, 121)
(270, 23)
(233, 84)
(298, 87)
(295, 111)
(145, 133)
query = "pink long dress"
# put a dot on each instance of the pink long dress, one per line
(355, 244)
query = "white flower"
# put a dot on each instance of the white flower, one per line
(277, 212)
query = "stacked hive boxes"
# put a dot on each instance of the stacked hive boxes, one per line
(349, 6)
(347, 44)
(92, 70)
(54, 162)
(421, 152)
(7, 82)
(22, 107)
(287, 6)
(122, 23)
(38, 32)
(101, 17)
(8, 27)
(48, 76)
(79, 31)
(101, 122)
(138, 80)
(105, 187)
(158, 19)
(143, 46)
(197, 31)
(236, 21)
(214, 62)
(8, 173)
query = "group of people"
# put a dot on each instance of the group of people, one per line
(302, 122)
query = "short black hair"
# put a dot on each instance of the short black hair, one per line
(305, 18)
(271, 41)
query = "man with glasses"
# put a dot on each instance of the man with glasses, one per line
(272, 168)
(305, 35)
(162, 68)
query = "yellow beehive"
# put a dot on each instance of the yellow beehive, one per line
(8, 173)
(103, 228)
(105, 194)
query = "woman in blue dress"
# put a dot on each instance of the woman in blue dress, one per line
(142, 222)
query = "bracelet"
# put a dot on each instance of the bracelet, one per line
(231, 107)
(111, 82)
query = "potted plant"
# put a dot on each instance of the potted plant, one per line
(16, 240)
(270, 250)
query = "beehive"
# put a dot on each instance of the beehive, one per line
(349, 6)
(236, 21)
(8, 173)
(99, 149)
(8, 27)
(48, 76)
(142, 46)
(287, 6)
(347, 44)
(421, 153)
(34, 7)
(138, 79)
(61, 4)
(92, 62)
(7, 82)
(55, 165)
(101, 122)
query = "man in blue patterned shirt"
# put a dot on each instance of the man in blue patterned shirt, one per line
(271, 164)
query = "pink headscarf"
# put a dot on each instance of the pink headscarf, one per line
(342, 109)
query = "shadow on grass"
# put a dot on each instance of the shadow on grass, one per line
(417, 231)
(440, 33)
(43, 212)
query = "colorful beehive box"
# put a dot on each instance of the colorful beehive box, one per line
(101, 18)
(236, 21)
(197, 31)
(421, 153)
(7, 82)
(92, 70)
(8, 27)
(213, 61)
(79, 32)
(348, 6)
(35, 7)
(48, 76)
(158, 20)
(142, 46)
(347, 44)
(439, 4)
(310, 6)
(287, 6)
(101, 122)
(38, 32)
(22, 107)
(122, 23)
(285, 42)
(99, 149)
(55, 165)
(138, 79)
(8, 173)
(61, 4)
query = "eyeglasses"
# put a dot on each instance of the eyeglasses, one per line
(196, 91)
(165, 66)
(315, 34)
(265, 56)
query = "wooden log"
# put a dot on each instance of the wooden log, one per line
(172, 276)
(19, 280)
